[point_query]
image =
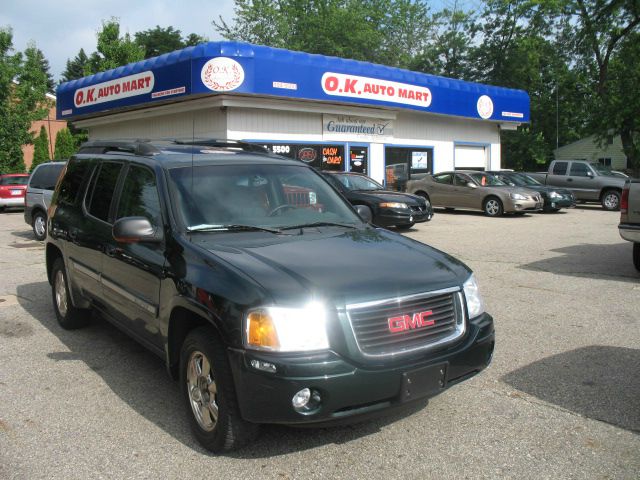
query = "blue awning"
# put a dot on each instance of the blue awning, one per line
(233, 68)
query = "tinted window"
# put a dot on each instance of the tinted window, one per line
(560, 168)
(72, 182)
(462, 180)
(104, 185)
(579, 170)
(14, 180)
(444, 178)
(45, 177)
(139, 196)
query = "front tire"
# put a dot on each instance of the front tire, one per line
(69, 317)
(493, 207)
(39, 225)
(636, 255)
(610, 200)
(209, 393)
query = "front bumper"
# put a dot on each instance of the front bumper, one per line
(563, 202)
(630, 232)
(388, 217)
(522, 205)
(351, 391)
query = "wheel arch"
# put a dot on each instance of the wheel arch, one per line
(51, 254)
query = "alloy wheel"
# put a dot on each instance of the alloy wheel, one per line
(202, 391)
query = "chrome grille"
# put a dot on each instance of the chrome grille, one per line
(370, 323)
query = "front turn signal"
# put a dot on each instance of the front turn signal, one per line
(261, 331)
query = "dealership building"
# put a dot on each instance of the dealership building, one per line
(332, 113)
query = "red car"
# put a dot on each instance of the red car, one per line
(12, 190)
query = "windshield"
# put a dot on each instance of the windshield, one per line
(487, 180)
(602, 170)
(234, 197)
(357, 182)
(526, 180)
(14, 180)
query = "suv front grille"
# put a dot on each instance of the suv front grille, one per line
(393, 326)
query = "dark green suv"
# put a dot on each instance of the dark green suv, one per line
(263, 290)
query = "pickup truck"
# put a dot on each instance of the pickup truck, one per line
(629, 227)
(589, 182)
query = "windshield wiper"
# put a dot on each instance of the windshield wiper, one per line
(321, 224)
(232, 228)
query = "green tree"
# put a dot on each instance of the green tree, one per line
(383, 31)
(158, 40)
(113, 50)
(40, 149)
(23, 87)
(65, 145)
(76, 68)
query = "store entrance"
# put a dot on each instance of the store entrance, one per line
(358, 159)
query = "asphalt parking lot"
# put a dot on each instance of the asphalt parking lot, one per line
(561, 399)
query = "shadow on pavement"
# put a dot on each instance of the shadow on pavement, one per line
(598, 382)
(140, 379)
(605, 261)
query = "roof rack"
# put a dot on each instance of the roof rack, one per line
(148, 147)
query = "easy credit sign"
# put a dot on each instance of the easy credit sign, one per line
(353, 86)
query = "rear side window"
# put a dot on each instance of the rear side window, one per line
(579, 170)
(102, 190)
(73, 181)
(560, 168)
(14, 180)
(139, 196)
(444, 178)
(46, 176)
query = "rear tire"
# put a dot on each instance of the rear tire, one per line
(209, 393)
(69, 317)
(636, 255)
(493, 207)
(39, 225)
(610, 200)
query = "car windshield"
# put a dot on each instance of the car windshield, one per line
(358, 182)
(511, 179)
(526, 180)
(487, 180)
(602, 170)
(14, 180)
(256, 197)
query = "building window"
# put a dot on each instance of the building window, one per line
(402, 162)
(605, 161)
(324, 156)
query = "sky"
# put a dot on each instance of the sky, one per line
(60, 28)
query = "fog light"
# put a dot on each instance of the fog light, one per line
(264, 366)
(301, 399)
(410, 218)
(306, 401)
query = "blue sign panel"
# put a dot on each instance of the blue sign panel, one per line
(230, 68)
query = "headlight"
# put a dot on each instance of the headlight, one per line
(283, 329)
(555, 195)
(393, 205)
(475, 304)
(517, 196)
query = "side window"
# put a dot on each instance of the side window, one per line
(46, 177)
(444, 178)
(139, 196)
(560, 168)
(73, 181)
(462, 180)
(104, 185)
(579, 169)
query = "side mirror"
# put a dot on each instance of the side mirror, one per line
(472, 185)
(135, 230)
(589, 174)
(364, 212)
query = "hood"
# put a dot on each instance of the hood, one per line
(387, 196)
(328, 262)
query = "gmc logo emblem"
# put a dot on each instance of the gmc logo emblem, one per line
(406, 322)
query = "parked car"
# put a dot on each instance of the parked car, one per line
(266, 311)
(589, 181)
(468, 189)
(629, 226)
(387, 208)
(553, 198)
(38, 196)
(12, 188)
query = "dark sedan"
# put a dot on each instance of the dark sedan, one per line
(554, 198)
(388, 208)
